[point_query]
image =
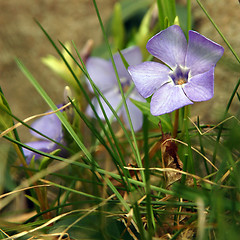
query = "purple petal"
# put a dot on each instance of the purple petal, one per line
(167, 99)
(149, 76)
(49, 125)
(202, 53)
(114, 98)
(132, 55)
(101, 72)
(44, 146)
(169, 46)
(135, 114)
(200, 87)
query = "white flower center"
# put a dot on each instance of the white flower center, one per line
(180, 75)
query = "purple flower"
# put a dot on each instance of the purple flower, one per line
(51, 126)
(102, 73)
(188, 75)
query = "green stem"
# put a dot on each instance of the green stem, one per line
(175, 125)
(189, 15)
(185, 120)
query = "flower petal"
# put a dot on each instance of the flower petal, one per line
(167, 99)
(132, 55)
(202, 53)
(200, 87)
(149, 76)
(101, 72)
(169, 46)
(114, 98)
(135, 114)
(49, 125)
(44, 146)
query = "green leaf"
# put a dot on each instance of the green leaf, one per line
(165, 119)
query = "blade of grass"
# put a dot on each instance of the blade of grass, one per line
(121, 160)
(73, 74)
(170, 9)
(150, 218)
(64, 122)
(138, 158)
(161, 14)
(83, 165)
(100, 138)
(202, 148)
(189, 16)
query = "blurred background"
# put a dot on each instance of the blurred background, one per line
(67, 20)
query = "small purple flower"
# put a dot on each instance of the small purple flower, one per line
(51, 126)
(188, 75)
(102, 73)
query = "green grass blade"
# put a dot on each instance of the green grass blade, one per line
(85, 166)
(138, 158)
(150, 218)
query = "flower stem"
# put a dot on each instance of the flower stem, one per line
(186, 115)
(189, 15)
(175, 125)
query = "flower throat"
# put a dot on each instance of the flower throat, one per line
(180, 75)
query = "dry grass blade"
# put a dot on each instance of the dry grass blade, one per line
(201, 219)
(209, 130)
(31, 118)
(23, 189)
(182, 172)
(48, 223)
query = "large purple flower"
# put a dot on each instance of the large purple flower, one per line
(188, 75)
(102, 73)
(51, 126)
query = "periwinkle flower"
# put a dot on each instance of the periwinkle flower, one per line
(102, 73)
(188, 75)
(50, 126)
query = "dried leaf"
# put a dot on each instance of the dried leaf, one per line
(170, 159)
